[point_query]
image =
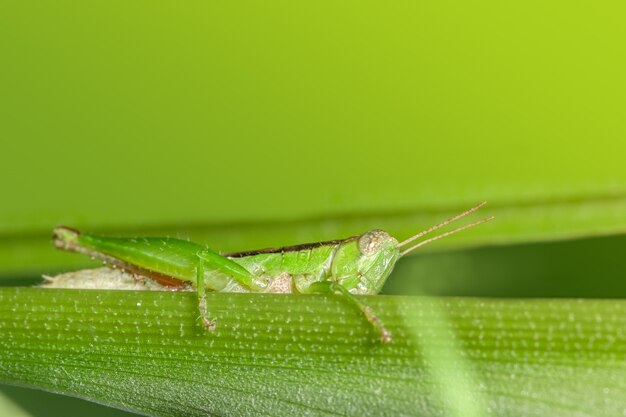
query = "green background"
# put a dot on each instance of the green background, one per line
(226, 121)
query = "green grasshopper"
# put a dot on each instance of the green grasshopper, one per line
(358, 265)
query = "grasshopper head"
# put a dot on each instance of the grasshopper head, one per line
(364, 265)
(378, 255)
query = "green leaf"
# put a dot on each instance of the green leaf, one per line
(294, 355)
(534, 220)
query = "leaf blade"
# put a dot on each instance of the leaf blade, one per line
(524, 220)
(279, 355)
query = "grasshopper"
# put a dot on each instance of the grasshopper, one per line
(358, 265)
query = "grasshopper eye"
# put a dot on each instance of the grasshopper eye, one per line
(370, 242)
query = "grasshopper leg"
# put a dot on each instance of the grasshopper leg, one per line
(385, 335)
(207, 322)
(215, 261)
(326, 287)
(207, 259)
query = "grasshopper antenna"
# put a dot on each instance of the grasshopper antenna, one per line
(412, 248)
(440, 225)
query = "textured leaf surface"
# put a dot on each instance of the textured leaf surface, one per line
(294, 355)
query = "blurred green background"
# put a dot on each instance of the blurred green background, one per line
(246, 124)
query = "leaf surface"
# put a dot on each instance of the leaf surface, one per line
(299, 355)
